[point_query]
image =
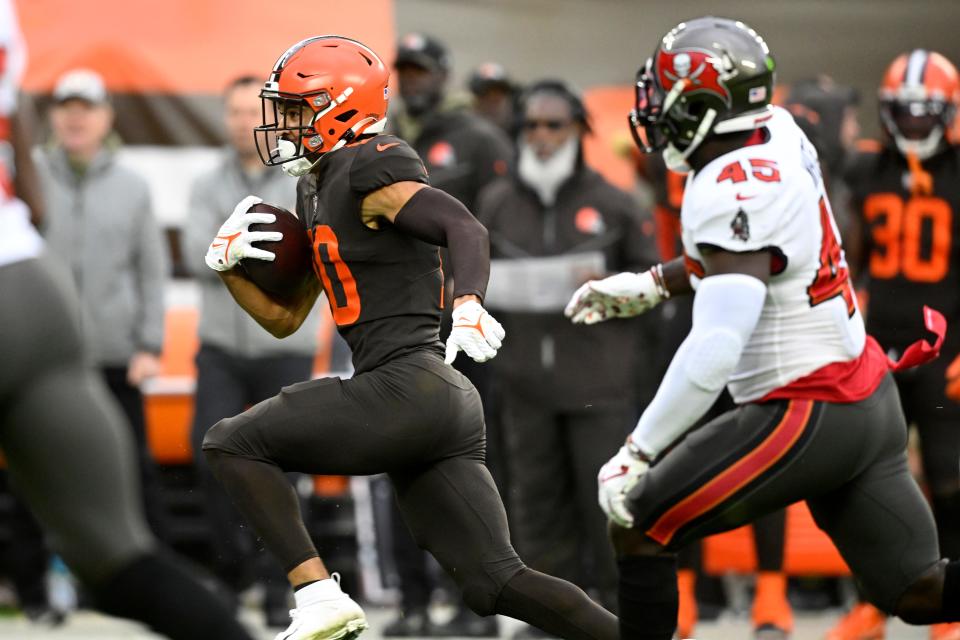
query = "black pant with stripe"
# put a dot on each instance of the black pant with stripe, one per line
(848, 461)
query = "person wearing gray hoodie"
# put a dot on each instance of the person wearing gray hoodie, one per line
(239, 362)
(99, 222)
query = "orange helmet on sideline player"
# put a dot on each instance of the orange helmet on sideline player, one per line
(918, 101)
(344, 84)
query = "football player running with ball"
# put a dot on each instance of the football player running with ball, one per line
(775, 320)
(375, 226)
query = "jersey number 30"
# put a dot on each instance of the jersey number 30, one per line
(899, 228)
(338, 282)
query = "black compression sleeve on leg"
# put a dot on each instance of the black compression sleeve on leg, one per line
(691, 556)
(262, 493)
(556, 606)
(946, 511)
(436, 217)
(648, 597)
(950, 607)
(769, 533)
(157, 591)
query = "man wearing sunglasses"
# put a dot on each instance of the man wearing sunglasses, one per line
(461, 153)
(569, 395)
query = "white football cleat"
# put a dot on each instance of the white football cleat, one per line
(338, 618)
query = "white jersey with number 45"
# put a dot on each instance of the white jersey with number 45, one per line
(770, 197)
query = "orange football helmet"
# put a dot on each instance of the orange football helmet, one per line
(344, 84)
(919, 97)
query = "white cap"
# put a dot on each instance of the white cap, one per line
(82, 84)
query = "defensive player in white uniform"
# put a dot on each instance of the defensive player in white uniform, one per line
(67, 450)
(774, 320)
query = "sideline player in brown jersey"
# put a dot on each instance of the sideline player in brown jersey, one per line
(906, 201)
(375, 226)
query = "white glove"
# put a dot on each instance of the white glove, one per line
(616, 478)
(620, 296)
(233, 241)
(475, 332)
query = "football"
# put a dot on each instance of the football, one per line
(283, 276)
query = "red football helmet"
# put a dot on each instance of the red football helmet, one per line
(918, 101)
(344, 84)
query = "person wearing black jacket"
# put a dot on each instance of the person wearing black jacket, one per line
(569, 394)
(462, 153)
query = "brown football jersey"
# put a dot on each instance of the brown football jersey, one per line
(384, 287)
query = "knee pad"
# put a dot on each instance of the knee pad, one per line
(715, 354)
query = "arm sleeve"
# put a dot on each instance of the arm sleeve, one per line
(383, 161)
(151, 270)
(726, 309)
(203, 223)
(436, 217)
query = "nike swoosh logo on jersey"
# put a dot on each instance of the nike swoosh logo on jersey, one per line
(743, 197)
(384, 147)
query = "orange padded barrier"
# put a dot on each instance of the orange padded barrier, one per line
(808, 549)
(168, 428)
(330, 486)
(180, 342)
(169, 411)
(608, 149)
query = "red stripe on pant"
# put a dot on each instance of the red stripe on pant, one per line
(737, 476)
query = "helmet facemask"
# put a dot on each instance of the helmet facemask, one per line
(298, 144)
(288, 136)
(644, 119)
(919, 126)
(919, 98)
(665, 121)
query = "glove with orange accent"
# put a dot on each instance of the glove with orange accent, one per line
(953, 380)
(475, 332)
(620, 296)
(616, 478)
(234, 240)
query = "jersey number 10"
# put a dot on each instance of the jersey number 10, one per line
(339, 285)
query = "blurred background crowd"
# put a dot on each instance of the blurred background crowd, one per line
(144, 144)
